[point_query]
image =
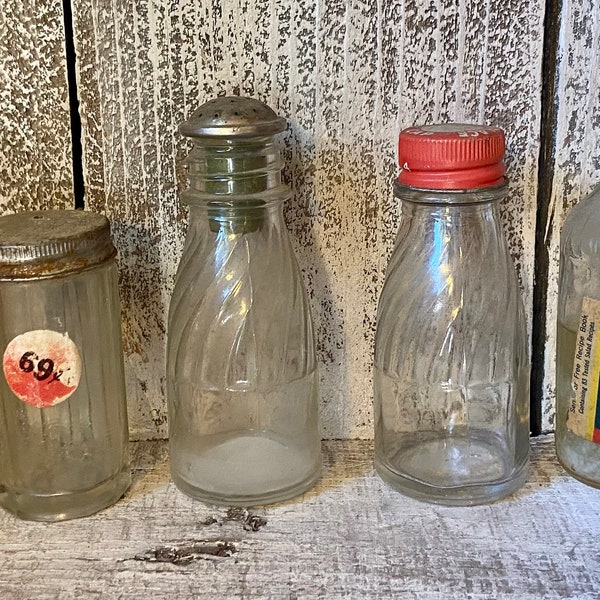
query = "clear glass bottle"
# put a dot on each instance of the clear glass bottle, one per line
(241, 369)
(63, 416)
(578, 347)
(451, 380)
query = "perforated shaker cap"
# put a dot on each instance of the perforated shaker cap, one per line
(232, 116)
(451, 156)
(48, 243)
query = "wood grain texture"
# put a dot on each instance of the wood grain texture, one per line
(350, 537)
(35, 155)
(576, 153)
(347, 75)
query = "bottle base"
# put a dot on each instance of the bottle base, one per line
(245, 470)
(273, 497)
(578, 476)
(579, 457)
(61, 507)
(455, 471)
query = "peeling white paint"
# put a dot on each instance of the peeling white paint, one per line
(577, 153)
(35, 154)
(348, 76)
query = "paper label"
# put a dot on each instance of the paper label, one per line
(42, 367)
(584, 413)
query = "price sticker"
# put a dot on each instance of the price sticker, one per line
(42, 367)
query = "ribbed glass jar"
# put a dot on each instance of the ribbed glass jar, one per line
(241, 369)
(63, 417)
(578, 343)
(451, 364)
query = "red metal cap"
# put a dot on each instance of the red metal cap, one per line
(451, 156)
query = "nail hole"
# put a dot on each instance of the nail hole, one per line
(216, 115)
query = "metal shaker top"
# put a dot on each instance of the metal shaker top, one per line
(49, 243)
(232, 116)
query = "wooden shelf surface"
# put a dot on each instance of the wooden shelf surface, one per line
(350, 537)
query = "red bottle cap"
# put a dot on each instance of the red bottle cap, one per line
(452, 156)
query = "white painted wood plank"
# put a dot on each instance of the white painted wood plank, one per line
(35, 154)
(350, 537)
(129, 130)
(577, 151)
(347, 75)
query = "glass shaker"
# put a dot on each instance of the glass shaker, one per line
(451, 379)
(578, 343)
(63, 417)
(241, 369)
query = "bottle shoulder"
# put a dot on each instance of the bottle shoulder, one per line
(580, 235)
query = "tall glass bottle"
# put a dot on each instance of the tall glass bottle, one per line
(578, 345)
(451, 363)
(242, 374)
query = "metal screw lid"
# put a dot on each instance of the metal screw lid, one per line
(47, 243)
(233, 116)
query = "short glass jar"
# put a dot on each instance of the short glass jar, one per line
(63, 417)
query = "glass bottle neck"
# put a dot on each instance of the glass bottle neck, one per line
(479, 219)
(234, 167)
(453, 212)
(235, 182)
(239, 217)
(450, 197)
(445, 219)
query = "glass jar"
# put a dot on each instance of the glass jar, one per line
(63, 419)
(578, 346)
(241, 368)
(451, 380)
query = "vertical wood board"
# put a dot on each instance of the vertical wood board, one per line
(576, 160)
(35, 155)
(347, 75)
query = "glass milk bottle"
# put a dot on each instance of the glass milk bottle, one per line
(578, 345)
(63, 415)
(241, 369)
(451, 363)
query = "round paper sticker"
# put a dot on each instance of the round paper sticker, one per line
(42, 367)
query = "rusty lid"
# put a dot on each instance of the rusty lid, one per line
(233, 116)
(47, 243)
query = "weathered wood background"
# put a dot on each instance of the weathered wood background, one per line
(348, 75)
(35, 155)
(575, 160)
